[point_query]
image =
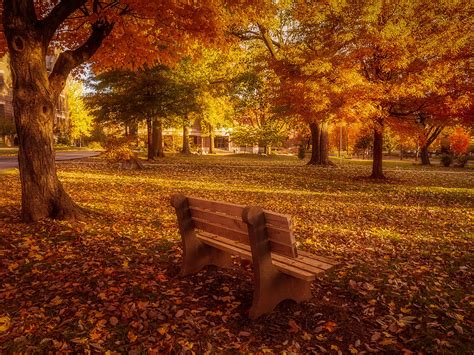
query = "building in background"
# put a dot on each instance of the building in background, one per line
(199, 139)
(8, 135)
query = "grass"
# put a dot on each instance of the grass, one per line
(405, 247)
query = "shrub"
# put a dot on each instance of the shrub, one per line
(461, 161)
(119, 152)
(95, 146)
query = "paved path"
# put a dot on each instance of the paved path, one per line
(10, 162)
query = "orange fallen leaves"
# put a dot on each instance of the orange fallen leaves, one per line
(80, 282)
(5, 323)
(330, 326)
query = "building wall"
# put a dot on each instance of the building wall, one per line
(7, 123)
(200, 140)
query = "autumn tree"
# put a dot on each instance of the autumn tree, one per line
(215, 112)
(210, 75)
(81, 120)
(255, 106)
(459, 141)
(114, 33)
(148, 94)
(406, 54)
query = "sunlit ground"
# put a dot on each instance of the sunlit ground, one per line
(405, 247)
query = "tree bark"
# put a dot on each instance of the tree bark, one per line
(186, 147)
(431, 133)
(324, 145)
(315, 144)
(149, 134)
(35, 95)
(157, 139)
(320, 144)
(43, 196)
(425, 155)
(211, 139)
(377, 167)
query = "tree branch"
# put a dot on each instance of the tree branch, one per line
(57, 16)
(69, 60)
(267, 40)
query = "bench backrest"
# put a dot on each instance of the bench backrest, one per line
(225, 220)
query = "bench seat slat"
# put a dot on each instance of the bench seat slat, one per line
(229, 233)
(278, 220)
(219, 218)
(301, 267)
(238, 235)
(275, 234)
(223, 207)
(318, 258)
(275, 219)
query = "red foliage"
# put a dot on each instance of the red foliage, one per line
(459, 141)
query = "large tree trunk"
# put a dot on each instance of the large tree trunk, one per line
(315, 144)
(425, 155)
(377, 167)
(35, 95)
(320, 144)
(34, 104)
(157, 139)
(186, 147)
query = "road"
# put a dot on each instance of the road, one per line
(10, 162)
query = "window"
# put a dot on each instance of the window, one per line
(2, 79)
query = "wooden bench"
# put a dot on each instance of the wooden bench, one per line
(213, 231)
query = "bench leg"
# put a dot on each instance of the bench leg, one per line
(197, 255)
(273, 287)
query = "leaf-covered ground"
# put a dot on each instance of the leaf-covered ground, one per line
(404, 283)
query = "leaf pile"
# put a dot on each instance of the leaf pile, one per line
(404, 283)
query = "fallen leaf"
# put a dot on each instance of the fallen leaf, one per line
(5, 323)
(293, 326)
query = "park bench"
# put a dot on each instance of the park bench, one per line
(212, 231)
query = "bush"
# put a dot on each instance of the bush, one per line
(461, 161)
(119, 152)
(446, 160)
(95, 146)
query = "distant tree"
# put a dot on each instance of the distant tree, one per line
(151, 94)
(254, 98)
(81, 120)
(216, 112)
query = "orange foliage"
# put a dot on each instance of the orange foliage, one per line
(459, 141)
(146, 32)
